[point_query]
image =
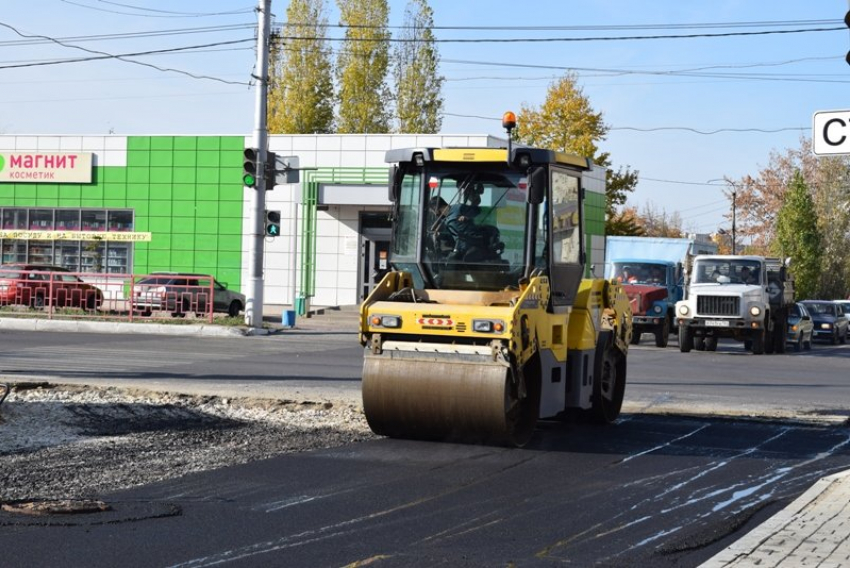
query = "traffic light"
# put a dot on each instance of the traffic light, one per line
(250, 167)
(272, 223)
(270, 173)
(847, 23)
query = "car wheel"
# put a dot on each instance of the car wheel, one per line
(835, 338)
(843, 339)
(758, 342)
(146, 313)
(686, 339)
(234, 308)
(807, 345)
(798, 346)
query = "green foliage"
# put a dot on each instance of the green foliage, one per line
(617, 187)
(362, 64)
(418, 83)
(797, 236)
(300, 99)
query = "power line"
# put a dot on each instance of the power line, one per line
(129, 35)
(605, 27)
(161, 13)
(710, 132)
(565, 39)
(104, 55)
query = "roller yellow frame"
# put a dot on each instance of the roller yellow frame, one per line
(484, 324)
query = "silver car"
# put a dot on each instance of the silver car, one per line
(181, 293)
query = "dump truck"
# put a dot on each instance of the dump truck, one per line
(745, 298)
(652, 272)
(485, 323)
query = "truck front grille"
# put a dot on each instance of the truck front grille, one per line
(718, 305)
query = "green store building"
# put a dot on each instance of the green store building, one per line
(140, 204)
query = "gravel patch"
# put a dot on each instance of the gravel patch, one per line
(65, 441)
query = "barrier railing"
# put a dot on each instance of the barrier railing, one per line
(75, 295)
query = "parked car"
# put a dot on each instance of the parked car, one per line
(801, 328)
(180, 294)
(38, 285)
(845, 304)
(829, 320)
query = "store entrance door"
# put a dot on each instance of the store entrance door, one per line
(374, 251)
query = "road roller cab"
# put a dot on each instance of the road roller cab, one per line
(485, 324)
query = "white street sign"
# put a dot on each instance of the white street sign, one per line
(831, 132)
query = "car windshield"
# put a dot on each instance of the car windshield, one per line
(10, 274)
(726, 271)
(822, 308)
(640, 272)
(474, 226)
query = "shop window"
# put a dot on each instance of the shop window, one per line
(40, 252)
(67, 254)
(41, 219)
(67, 219)
(120, 220)
(93, 220)
(78, 256)
(14, 218)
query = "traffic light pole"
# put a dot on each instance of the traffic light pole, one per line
(254, 296)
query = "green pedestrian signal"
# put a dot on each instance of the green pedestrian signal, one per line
(272, 223)
(250, 167)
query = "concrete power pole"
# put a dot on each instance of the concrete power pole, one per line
(254, 307)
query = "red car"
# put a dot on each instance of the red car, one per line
(38, 285)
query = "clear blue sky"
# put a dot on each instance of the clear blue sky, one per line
(753, 83)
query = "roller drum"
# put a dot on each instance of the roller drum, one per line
(445, 398)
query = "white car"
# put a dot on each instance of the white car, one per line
(180, 294)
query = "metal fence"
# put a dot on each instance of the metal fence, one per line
(128, 297)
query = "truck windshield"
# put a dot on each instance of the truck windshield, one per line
(641, 273)
(726, 271)
(473, 227)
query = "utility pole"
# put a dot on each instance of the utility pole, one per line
(734, 208)
(254, 307)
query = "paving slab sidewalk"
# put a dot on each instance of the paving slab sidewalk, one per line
(814, 530)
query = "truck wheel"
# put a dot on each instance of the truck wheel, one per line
(686, 340)
(779, 328)
(699, 343)
(711, 344)
(758, 342)
(662, 334)
(609, 387)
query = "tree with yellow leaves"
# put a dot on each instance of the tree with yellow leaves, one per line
(300, 96)
(566, 122)
(362, 65)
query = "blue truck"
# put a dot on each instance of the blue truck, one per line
(651, 270)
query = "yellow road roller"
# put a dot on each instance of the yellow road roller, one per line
(484, 323)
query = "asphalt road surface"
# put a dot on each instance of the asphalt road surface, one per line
(650, 491)
(318, 362)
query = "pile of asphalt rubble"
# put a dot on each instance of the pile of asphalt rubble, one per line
(82, 442)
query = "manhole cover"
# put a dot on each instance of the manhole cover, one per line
(56, 507)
